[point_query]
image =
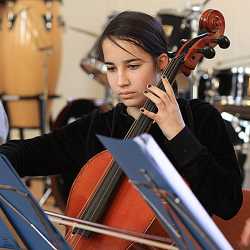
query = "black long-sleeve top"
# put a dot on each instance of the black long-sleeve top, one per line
(202, 152)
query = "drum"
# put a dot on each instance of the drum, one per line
(176, 27)
(239, 134)
(206, 91)
(226, 86)
(91, 64)
(31, 46)
(95, 69)
(61, 184)
(233, 85)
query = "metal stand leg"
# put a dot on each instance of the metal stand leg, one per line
(47, 191)
(43, 101)
(21, 133)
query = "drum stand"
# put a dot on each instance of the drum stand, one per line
(241, 144)
(41, 98)
(44, 123)
(44, 117)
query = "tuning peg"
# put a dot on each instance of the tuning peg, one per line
(223, 42)
(171, 54)
(183, 41)
(208, 52)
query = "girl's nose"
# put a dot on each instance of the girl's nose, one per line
(123, 79)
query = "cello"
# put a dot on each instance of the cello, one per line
(107, 194)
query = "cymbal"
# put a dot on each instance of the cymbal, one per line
(95, 69)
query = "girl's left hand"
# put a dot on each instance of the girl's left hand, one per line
(168, 116)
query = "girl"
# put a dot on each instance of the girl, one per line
(192, 134)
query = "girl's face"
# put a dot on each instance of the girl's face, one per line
(129, 70)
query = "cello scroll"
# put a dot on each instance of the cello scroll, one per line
(212, 27)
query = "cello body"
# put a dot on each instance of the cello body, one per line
(128, 210)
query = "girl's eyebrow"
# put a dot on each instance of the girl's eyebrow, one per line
(126, 61)
(133, 60)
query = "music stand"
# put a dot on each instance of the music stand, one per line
(23, 212)
(157, 180)
(7, 241)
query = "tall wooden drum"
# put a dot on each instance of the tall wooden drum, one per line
(31, 46)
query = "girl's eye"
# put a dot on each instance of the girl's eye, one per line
(111, 69)
(134, 66)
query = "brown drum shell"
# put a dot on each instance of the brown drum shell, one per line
(31, 56)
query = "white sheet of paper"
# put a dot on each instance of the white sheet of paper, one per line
(4, 125)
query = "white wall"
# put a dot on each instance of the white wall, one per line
(91, 15)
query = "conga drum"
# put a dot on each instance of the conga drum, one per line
(31, 47)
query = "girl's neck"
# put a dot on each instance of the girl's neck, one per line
(134, 112)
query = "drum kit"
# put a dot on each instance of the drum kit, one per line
(228, 89)
(225, 87)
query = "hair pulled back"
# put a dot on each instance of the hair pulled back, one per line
(138, 28)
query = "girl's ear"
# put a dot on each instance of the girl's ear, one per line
(162, 61)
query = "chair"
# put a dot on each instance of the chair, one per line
(232, 229)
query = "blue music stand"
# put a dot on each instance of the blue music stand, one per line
(148, 168)
(7, 241)
(24, 213)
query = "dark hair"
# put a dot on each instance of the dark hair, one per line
(138, 28)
